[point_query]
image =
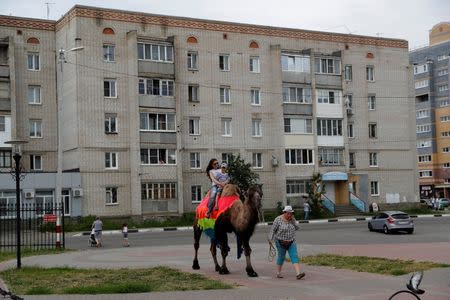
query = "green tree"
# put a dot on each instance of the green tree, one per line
(315, 190)
(241, 173)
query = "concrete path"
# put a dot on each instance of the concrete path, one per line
(319, 283)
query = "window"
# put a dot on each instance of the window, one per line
(226, 157)
(444, 150)
(350, 130)
(255, 96)
(296, 187)
(442, 72)
(423, 113)
(254, 64)
(224, 92)
(194, 126)
(194, 160)
(419, 69)
(157, 122)
(196, 193)
(445, 118)
(372, 102)
(224, 62)
(5, 158)
(226, 127)
(328, 66)
(111, 160)
(349, 101)
(421, 84)
(110, 123)
(111, 195)
(109, 88)
(426, 173)
(256, 128)
(192, 58)
(374, 188)
(295, 63)
(158, 157)
(193, 93)
(423, 128)
(33, 61)
(442, 57)
(34, 94)
(296, 95)
(257, 160)
(442, 88)
(329, 127)
(44, 201)
(154, 86)
(424, 158)
(373, 159)
(445, 133)
(299, 156)
(158, 191)
(155, 52)
(423, 143)
(109, 52)
(329, 97)
(331, 156)
(35, 162)
(351, 160)
(65, 197)
(297, 125)
(372, 130)
(370, 73)
(348, 73)
(2, 123)
(35, 128)
(444, 103)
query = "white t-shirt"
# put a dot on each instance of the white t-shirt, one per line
(212, 173)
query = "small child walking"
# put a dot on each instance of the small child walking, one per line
(125, 242)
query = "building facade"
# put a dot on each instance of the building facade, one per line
(431, 80)
(150, 99)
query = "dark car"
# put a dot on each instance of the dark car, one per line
(390, 221)
(443, 203)
(427, 202)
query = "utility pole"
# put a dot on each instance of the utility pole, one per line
(48, 9)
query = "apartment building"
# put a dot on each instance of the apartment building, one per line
(431, 81)
(149, 99)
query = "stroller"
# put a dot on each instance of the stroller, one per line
(92, 241)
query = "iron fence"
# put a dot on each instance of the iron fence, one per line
(41, 226)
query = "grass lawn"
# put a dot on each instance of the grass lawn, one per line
(39, 281)
(28, 252)
(383, 266)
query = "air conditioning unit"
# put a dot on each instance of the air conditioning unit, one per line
(29, 194)
(77, 192)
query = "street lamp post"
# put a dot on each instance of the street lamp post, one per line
(17, 176)
(61, 61)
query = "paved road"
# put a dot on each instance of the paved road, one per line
(427, 230)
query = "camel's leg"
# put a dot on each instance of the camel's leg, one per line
(213, 250)
(248, 251)
(197, 236)
(224, 251)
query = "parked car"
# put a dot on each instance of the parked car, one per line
(443, 203)
(428, 202)
(390, 221)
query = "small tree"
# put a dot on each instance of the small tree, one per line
(315, 190)
(241, 173)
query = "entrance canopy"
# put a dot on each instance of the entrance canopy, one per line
(334, 176)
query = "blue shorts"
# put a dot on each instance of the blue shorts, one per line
(282, 253)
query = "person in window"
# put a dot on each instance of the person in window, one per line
(283, 234)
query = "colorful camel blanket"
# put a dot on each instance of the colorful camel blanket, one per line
(207, 224)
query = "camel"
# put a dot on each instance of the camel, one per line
(241, 218)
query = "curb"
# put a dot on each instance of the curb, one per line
(262, 224)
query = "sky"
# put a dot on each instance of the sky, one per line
(405, 19)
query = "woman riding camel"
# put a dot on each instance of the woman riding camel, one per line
(218, 178)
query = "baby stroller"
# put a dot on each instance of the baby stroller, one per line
(92, 241)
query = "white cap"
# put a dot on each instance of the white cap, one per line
(288, 208)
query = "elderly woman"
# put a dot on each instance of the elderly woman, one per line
(283, 234)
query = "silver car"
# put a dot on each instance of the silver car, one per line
(390, 221)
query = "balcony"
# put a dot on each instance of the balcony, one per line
(155, 68)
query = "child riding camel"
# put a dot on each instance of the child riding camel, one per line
(219, 178)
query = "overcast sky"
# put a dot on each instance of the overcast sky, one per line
(405, 19)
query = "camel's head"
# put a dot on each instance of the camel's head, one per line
(254, 195)
(231, 189)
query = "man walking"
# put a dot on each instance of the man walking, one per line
(306, 209)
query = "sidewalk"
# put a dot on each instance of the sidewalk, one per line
(319, 283)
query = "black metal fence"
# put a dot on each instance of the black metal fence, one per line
(41, 226)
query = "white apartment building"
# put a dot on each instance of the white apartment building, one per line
(150, 99)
